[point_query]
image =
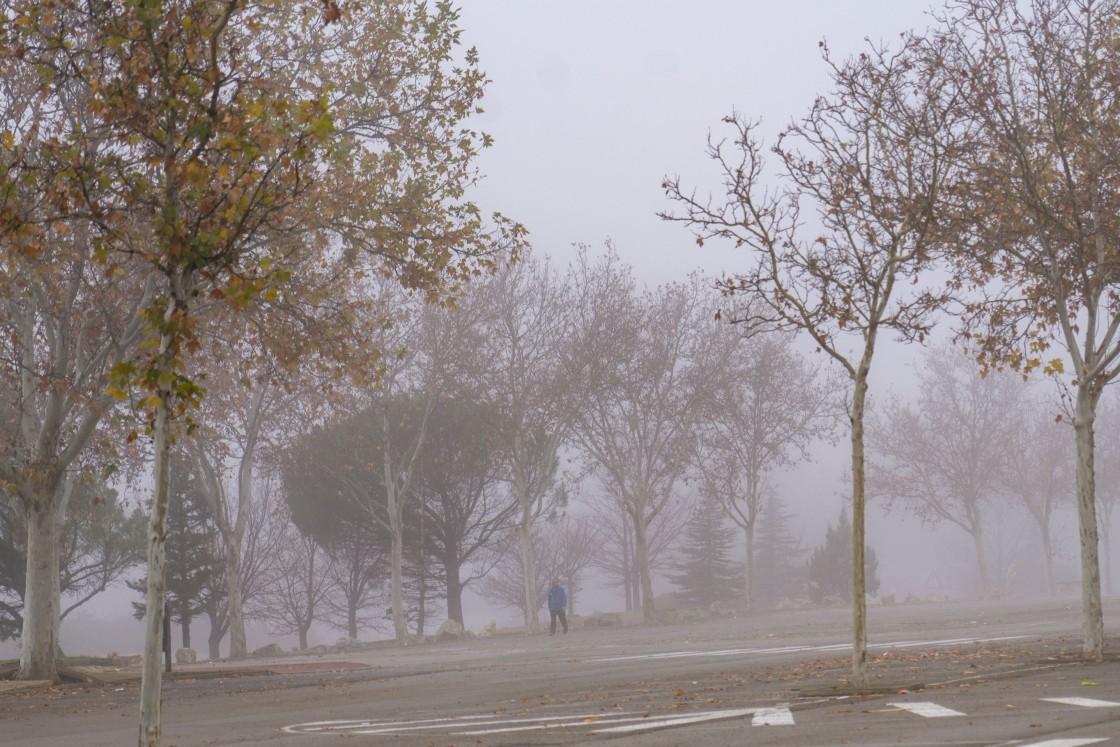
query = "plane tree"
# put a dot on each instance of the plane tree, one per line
(64, 323)
(870, 160)
(203, 165)
(1036, 250)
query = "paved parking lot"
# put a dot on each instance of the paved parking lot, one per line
(948, 674)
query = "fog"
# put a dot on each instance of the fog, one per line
(591, 104)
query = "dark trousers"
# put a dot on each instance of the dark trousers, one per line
(563, 620)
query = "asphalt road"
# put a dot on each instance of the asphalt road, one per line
(941, 674)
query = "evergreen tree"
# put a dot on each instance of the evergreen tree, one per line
(779, 557)
(704, 571)
(830, 567)
(194, 558)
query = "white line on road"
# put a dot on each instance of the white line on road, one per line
(1083, 702)
(623, 721)
(681, 721)
(928, 710)
(779, 716)
(556, 725)
(803, 649)
(1062, 742)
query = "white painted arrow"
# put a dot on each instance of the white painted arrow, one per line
(928, 710)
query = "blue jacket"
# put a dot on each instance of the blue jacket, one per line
(557, 598)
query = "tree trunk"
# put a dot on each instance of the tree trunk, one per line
(303, 636)
(641, 550)
(152, 674)
(41, 592)
(352, 622)
(1048, 560)
(859, 573)
(529, 570)
(186, 626)
(422, 591)
(982, 563)
(1106, 542)
(396, 572)
(1093, 622)
(454, 590)
(238, 645)
(748, 567)
(214, 644)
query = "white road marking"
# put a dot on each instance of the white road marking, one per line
(779, 716)
(680, 721)
(483, 724)
(557, 725)
(1083, 702)
(1063, 742)
(803, 649)
(928, 710)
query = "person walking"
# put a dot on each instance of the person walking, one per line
(557, 606)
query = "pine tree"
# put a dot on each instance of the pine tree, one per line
(704, 571)
(194, 561)
(830, 567)
(779, 557)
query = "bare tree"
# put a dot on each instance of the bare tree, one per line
(543, 337)
(769, 409)
(871, 157)
(615, 555)
(297, 582)
(943, 456)
(576, 539)
(224, 449)
(357, 590)
(638, 431)
(564, 546)
(1038, 463)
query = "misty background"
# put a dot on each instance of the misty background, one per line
(591, 105)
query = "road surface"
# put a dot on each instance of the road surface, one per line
(941, 674)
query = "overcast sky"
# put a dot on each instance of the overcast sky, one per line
(592, 102)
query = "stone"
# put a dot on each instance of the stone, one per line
(449, 631)
(272, 649)
(489, 630)
(186, 656)
(346, 643)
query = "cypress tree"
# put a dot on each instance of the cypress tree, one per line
(830, 567)
(704, 570)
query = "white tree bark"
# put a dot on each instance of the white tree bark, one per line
(39, 641)
(529, 569)
(151, 680)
